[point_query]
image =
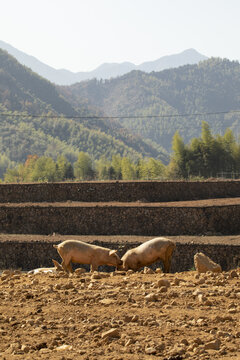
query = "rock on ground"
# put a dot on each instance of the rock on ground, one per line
(123, 317)
(203, 264)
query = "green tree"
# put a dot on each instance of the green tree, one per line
(102, 168)
(64, 168)
(150, 169)
(128, 169)
(177, 166)
(156, 168)
(12, 175)
(5, 163)
(44, 170)
(140, 170)
(207, 150)
(194, 165)
(230, 149)
(28, 167)
(117, 166)
(83, 169)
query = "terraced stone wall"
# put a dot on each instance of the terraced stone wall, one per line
(120, 220)
(27, 256)
(122, 191)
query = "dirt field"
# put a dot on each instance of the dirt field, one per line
(120, 316)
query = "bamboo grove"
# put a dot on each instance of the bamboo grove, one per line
(204, 157)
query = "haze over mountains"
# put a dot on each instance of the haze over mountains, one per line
(38, 117)
(54, 126)
(104, 71)
(208, 87)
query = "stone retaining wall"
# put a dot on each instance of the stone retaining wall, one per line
(30, 255)
(122, 191)
(120, 220)
(117, 220)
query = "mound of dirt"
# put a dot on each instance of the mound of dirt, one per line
(120, 316)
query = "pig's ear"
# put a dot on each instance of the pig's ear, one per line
(111, 252)
(57, 265)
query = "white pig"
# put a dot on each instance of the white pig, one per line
(149, 252)
(57, 267)
(83, 253)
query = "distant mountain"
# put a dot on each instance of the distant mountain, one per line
(104, 71)
(210, 86)
(21, 89)
(148, 107)
(187, 57)
(24, 92)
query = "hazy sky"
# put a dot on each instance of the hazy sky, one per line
(79, 35)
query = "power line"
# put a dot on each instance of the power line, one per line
(97, 117)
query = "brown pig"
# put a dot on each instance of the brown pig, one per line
(83, 253)
(149, 252)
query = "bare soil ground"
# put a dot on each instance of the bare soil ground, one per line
(193, 203)
(120, 316)
(230, 239)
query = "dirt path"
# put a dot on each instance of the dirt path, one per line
(192, 203)
(231, 239)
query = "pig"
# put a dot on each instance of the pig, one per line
(149, 252)
(83, 253)
(57, 267)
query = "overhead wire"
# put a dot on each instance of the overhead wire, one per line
(23, 115)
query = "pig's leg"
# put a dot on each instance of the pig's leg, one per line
(65, 266)
(94, 267)
(69, 267)
(167, 264)
(168, 259)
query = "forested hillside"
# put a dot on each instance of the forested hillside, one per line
(21, 89)
(56, 127)
(209, 87)
(133, 116)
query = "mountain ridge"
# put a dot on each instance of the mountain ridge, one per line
(103, 71)
(148, 107)
(208, 87)
(29, 110)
